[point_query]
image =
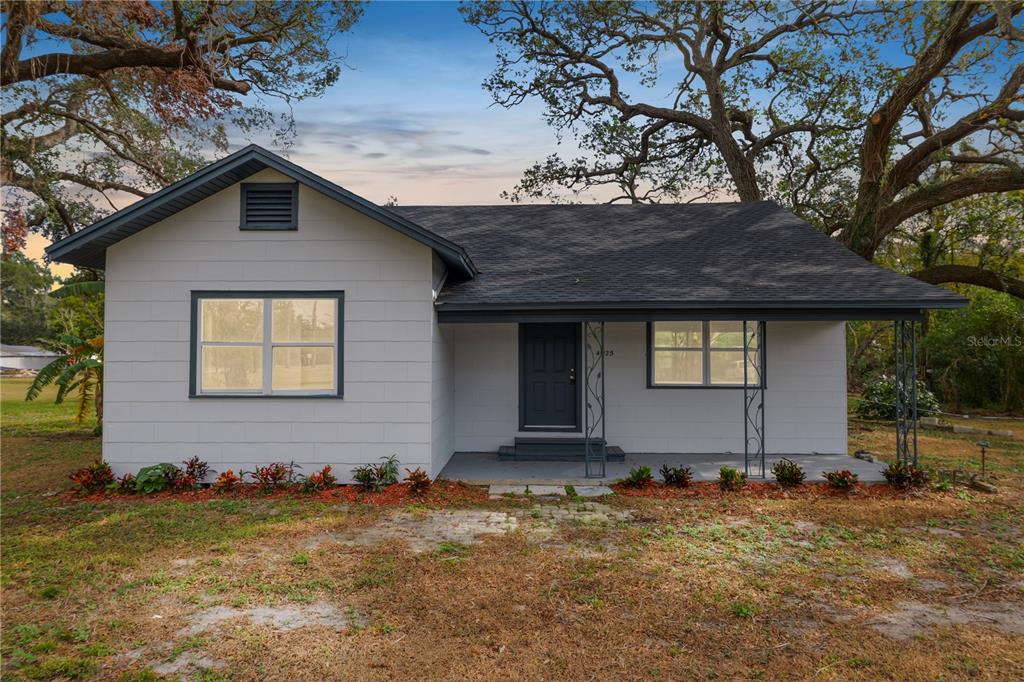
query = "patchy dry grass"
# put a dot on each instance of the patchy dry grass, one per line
(924, 587)
(945, 450)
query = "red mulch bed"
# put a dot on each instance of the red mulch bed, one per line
(759, 490)
(441, 494)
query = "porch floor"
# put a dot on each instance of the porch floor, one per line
(484, 468)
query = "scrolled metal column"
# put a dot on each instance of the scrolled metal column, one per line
(753, 401)
(905, 347)
(595, 446)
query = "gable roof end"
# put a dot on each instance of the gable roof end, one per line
(88, 246)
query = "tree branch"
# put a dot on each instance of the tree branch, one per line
(938, 194)
(908, 168)
(94, 64)
(971, 274)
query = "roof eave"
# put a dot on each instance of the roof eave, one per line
(649, 310)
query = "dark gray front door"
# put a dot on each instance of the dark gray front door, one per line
(548, 367)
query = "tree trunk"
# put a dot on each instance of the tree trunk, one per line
(741, 169)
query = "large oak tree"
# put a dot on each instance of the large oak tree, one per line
(876, 122)
(107, 97)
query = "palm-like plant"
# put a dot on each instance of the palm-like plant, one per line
(78, 370)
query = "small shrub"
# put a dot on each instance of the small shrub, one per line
(742, 610)
(196, 469)
(387, 471)
(300, 560)
(126, 484)
(175, 478)
(679, 477)
(729, 478)
(905, 476)
(375, 477)
(418, 480)
(226, 481)
(269, 476)
(944, 481)
(879, 400)
(788, 473)
(96, 476)
(153, 479)
(841, 479)
(321, 480)
(366, 476)
(639, 477)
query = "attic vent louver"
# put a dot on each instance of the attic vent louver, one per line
(270, 206)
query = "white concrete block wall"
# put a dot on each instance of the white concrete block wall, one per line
(442, 400)
(389, 340)
(805, 398)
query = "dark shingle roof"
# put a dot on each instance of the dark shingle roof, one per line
(732, 253)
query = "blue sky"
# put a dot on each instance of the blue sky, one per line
(409, 117)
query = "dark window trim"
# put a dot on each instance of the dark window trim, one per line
(243, 224)
(705, 358)
(193, 379)
(578, 428)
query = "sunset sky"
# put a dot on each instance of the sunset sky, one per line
(409, 118)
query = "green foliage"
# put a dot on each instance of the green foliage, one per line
(742, 610)
(375, 477)
(418, 480)
(843, 479)
(387, 470)
(24, 285)
(153, 479)
(729, 478)
(77, 307)
(639, 477)
(788, 473)
(79, 367)
(272, 475)
(976, 354)
(878, 401)
(679, 477)
(94, 477)
(905, 476)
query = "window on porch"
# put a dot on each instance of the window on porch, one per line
(698, 353)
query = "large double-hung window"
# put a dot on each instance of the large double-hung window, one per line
(251, 344)
(704, 353)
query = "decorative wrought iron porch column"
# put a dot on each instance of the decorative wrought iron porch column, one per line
(753, 400)
(905, 342)
(594, 443)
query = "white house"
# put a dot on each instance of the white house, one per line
(25, 357)
(256, 312)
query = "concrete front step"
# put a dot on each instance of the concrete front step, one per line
(554, 450)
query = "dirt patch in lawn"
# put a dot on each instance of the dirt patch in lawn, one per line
(425, 530)
(913, 618)
(288, 617)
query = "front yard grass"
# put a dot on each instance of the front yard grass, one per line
(927, 587)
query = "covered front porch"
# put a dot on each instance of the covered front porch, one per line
(558, 398)
(487, 468)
